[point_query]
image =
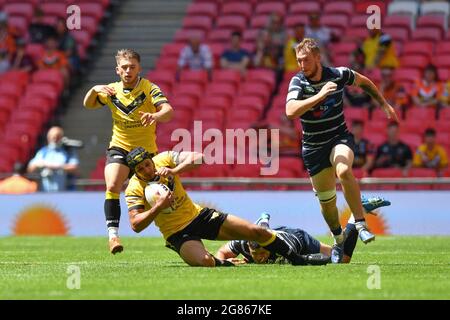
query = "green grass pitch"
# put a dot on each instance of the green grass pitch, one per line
(36, 268)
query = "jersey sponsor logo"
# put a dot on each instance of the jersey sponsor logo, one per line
(132, 106)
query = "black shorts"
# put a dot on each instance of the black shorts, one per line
(310, 244)
(119, 155)
(205, 226)
(319, 159)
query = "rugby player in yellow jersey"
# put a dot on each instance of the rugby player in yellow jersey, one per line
(136, 105)
(187, 223)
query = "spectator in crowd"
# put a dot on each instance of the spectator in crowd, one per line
(38, 30)
(54, 162)
(315, 30)
(277, 31)
(290, 58)
(358, 60)
(393, 91)
(68, 45)
(7, 34)
(267, 55)
(364, 151)
(235, 57)
(379, 50)
(5, 64)
(195, 56)
(53, 58)
(21, 60)
(427, 91)
(445, 97)
(320, 33)
(430, 154)
(394, 153)
(17, 183)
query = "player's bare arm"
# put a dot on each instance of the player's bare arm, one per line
(164, 114)
(90, 100)
(140, 219)
(225, 252)
(370, 88)
(188, 161)
(296, 108)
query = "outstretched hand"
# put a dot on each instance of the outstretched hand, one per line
(147, 118)
(390, 112)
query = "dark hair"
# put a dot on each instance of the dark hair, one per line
(357, 123)
(430, 132)
(431, 67)
(236, 34)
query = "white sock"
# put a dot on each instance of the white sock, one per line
(351, 219)
(113, 232)
(360, 225)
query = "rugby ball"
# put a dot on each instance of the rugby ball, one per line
(152, 193)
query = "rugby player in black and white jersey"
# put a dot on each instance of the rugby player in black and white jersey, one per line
(315, 96)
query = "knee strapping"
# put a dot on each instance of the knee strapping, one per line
(326, 196)
(111, 195)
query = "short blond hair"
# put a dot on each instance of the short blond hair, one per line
(308, 45)
(127, 54)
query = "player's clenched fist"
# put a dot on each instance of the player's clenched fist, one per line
(104, 89)
(328, 88)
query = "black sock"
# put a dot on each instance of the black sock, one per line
(112, 212)
(222, 263)
(351, 237)
(360, 220)
(337, 231)
(282, 248)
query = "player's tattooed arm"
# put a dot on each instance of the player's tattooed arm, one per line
(368, 86)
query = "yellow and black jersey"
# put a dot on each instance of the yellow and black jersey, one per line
(184, 210)
(125, 105)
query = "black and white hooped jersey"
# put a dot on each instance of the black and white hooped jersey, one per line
(325, 121)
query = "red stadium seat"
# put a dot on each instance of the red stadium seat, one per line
(19, 23)
(184, 102)
(304, 7)
(442, 61)
(206, 9)
(184, 35)
(245, 170)
(443, 74)
(444, 114)
(54, 9)
(387, 173)
(343, 47)
(197, 22)
(211, 170)
(375, 138)
(359, 21)
(82, 37)
(35, 50)
(53, 77)
(92, 9)
(420, 113)
(261, 75)
(250, 35)
(398, 34)
(15, 76)
(292, 21)
(160, 76)
(443, 47)
(194, 76)
(11, 90)
(243, 114)
(414, 61)
(335, 21)
(357, 34)
(407, 75)
(255, 89)
(361, 114)
(166, 64)
(233, 22)
(361, 6)
(19, 9)
(394, 20)
(431, 20)
(427, 34)
(208, 103)
(422, 173)
(260, 21)
(341, 60)
(254, 102)
(339, 7)
(233, 76)
(209, 114)
(237, 8)
(270, 8)
(220, 35)
(412, 140)
(218, 89)
(418, 47)
(188, 89)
